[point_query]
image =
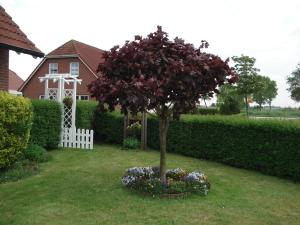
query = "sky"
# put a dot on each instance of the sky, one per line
(268, 30)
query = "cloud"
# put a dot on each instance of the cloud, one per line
(267, 30)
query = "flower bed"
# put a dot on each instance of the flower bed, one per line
(179, 182)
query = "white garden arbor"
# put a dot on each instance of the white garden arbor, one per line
(70, 136)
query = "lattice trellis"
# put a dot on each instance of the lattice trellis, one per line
(67, 123)
(68, 93)
(52, 93)
(60, 93)
(70, 136)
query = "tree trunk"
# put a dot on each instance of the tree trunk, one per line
(260, 107)
(270, 106)
(205, 103)
(246, 105)
(163, 128)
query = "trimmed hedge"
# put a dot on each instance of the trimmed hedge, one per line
(109, 127)
(206, 111)
(15, 125)
(46, 126)
(85, 113)
(269, 146)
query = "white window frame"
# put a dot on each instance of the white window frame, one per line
(80, 97)
(76, 69)
(53, 66)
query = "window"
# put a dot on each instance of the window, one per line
(82, 97)
(74, 68)
(42, 97)
(53, 68)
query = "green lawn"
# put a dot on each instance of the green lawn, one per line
(83, 187)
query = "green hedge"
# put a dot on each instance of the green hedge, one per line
(109, 127)
(206, 111)
(85, 113)
(46, 126)
(271, 147)
(15, 124)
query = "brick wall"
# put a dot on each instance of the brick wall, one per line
(4, 69)
(34, 88)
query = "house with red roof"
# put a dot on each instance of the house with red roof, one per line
(73, 57)
(14, 83)
(12, 38)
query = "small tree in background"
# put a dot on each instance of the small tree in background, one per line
(293, 81)
(271, 92)
(249, 81)
(155, 73)
(266, 91)
(231, 91)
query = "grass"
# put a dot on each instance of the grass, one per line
(83, 187)
(282, 113)
(21, 169)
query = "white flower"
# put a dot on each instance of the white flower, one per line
(196, 176)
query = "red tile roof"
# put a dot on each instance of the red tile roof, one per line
(12, 37)
(89, 54)
(14, 81)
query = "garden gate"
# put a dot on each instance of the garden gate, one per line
(70, 136)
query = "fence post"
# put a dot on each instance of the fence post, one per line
(92, 140)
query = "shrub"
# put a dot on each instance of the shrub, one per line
(36, 153)
(206, 111)
(68, 102)
(269, 146)
(176, 174)
(145, 179)
(134, 130)
(109, 127)
(131, 143)
(230, 106)
(46, 126)
(85, 114)
(15, 124)
(19, 170)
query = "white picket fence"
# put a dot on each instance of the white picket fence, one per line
(77, 138)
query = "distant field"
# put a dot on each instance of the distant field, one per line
(287, 112)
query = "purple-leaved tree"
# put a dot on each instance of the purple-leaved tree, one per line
(155, 73)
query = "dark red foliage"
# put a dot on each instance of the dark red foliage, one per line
(154, 72)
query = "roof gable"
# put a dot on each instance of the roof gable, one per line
(90, 55)
(12, 37)
(14, 81)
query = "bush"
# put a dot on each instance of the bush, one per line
(109, 127)
(19, 170)
(146, 179)
(206, 111)
(269, 146)
(131, 143)
(134, 130)
(176, 174)
(46, 128)
(36, 153)
(15, 125)
(85, 114)
(230, 106)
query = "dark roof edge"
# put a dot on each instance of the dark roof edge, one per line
(22, 50)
